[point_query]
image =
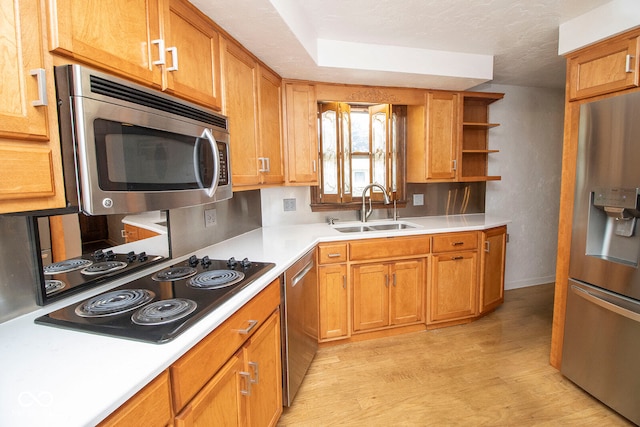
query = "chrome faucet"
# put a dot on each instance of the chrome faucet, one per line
(364, 214)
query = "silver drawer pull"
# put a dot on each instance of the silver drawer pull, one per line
(336, 255)
(457, 243)
(456, 258)
(252, 324)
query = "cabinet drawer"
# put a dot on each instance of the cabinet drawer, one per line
(193, 370)
(331, 254)
(392, 247)
(455, 242)
(151, 404)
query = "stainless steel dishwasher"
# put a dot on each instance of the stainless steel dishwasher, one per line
(299, 323)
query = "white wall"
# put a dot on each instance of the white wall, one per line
(530, 161)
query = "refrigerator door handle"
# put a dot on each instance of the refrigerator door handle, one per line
(605, 304)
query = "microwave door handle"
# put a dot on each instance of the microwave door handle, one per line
(216, 160)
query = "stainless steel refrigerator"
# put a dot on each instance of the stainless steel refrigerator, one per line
(601, 351)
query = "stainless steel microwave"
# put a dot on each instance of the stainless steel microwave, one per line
(127, 148)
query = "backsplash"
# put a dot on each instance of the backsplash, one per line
(437, 199)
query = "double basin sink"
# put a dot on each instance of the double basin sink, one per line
(373, 226)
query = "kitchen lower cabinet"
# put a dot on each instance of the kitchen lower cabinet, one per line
(247, 390)
(453, 286)
(242, 354)
(492, 262)
(151, 406)
(333, 292)
(387, 294)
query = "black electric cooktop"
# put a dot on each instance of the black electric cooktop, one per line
(158, 307)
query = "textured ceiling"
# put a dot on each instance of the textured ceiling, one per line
(522, 35)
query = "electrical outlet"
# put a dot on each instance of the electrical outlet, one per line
(210, 217)
(289, 205)
(418, 199)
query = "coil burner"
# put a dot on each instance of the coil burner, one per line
(103, 267)
(215, 279)
(114, 302)
(174, 273)
(66, 266)
(164, 311)
(53, 286)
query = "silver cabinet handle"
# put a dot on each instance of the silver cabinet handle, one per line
(247, 377)
(455, 165)
(394, 280)
(41, 77)
(252, 324)
(457, 243)
(487, 246)
(334, 255)
(456, 258)
(627, 64)
(313, 165)
(161, 55)
(344, 282)
(174, 58)
(386, 280)
(256, 377)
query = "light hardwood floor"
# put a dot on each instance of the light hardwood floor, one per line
(492, 372)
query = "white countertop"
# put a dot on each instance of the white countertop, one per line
(58, 377)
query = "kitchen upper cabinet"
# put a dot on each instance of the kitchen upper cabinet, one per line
(492, 262)
(151, 406)
(253, 104)
(453, 287)
(605, 68)
(301, 136)
(31, 173)
(432, 138)
(168, 45)
(192, 56)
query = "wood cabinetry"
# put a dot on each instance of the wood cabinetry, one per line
(169, 44)
(492, 262)
(605, 68)
(133, 233)
(475, 151)
(453, 287)
(234, 374)
(390, 291)
(387, 294)
(432, 138)
(150, 406)
(301, 135)
(31, 172)
(253, 103)
(333, 292)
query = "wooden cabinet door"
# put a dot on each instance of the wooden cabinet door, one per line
(453, 286)
(118, 35)
(494, 243)
(270, 126)
(609, 67)
(240, 106)
(333, 307)
(192, 57)
(406, 292)
(219, 402)
(442, 135)
(21, 41)
(301, 136)
(263, 363)
(370, 296)
(150, 406)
